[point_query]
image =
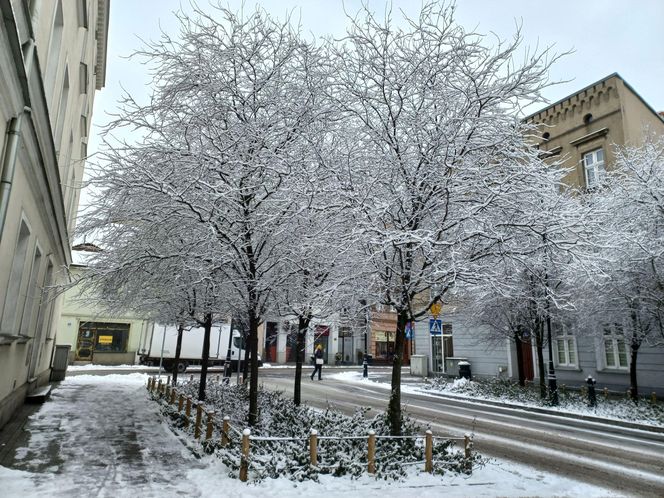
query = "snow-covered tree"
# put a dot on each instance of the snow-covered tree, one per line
(232, 101)
(625, 301)
(436, 147)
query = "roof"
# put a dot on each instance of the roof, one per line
(103, 14)
(660, 115)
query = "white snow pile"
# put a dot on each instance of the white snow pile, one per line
(279, 445)
(93, 367)
(570, 401)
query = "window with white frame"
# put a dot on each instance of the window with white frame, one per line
(615, 348)
(566, 351)
(593, 165)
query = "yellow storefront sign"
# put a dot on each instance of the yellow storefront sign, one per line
(105, 339)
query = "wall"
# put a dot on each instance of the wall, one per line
(43, 199)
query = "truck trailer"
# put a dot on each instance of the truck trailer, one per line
(165, 337)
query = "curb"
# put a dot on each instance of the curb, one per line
(545, 411)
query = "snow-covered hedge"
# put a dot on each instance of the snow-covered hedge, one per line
(344, 454)
(571, 400)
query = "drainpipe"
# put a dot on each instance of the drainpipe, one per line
(12, 141)
(9, 165)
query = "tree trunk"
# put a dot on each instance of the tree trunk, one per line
(633, 385)
(519, 357)
(302, 327)
(539, 346)
(394, 407)
(205, 356)
(253, 376)
(178, 350)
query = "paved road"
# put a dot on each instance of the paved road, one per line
(628, 460)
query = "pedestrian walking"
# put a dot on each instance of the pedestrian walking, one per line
(318, 362)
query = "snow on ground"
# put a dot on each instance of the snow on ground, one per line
(100, 436)
(611, 411)
(93, 367)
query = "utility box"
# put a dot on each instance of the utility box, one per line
(464, 370)
(60, 362)
(419, 365)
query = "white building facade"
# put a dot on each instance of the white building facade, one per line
(52, 59)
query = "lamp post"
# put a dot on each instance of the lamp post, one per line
(553, 383)
(365, 363)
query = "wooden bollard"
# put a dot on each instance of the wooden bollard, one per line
(159, 387)
(467, 447)
(210, 425)
(167, 390)
(173, 396)
(583, 391)
(653, 397)
(149, 383)
(313, 447)
(371, 453)
(606, 393)
(187, 411)
(191, 378)
(199, 417)
(428, 452)
(180, 402)
(244, 462)
(224, 430)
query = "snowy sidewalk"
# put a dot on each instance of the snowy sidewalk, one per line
(100, 436)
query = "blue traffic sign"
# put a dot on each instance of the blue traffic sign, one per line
(435, 326)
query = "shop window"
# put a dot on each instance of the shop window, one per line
(108, 337)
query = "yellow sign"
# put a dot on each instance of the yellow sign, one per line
(105, 339)
(436, 309)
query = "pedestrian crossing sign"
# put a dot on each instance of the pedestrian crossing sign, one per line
(435, 326)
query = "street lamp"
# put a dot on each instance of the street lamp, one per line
(553, 384)
(365, 363)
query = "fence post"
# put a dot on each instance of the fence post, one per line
(159, 387)
(199, 416)
(244, 462)
(167, 391)
(428, 452)
(180, 402)
(210, 425)
(467, 446)
(149, 383)
(187, 411)
(191, 378)
(653, 397)
(173, 396)
(224, 430)
(606, 393)
(371, 453)
(313, 447)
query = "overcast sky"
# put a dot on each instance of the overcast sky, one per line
(606, 35)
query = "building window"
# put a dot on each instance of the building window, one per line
(12, 299)
(566, 351)
(593, 164)
(106, 337)
(615, 349)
